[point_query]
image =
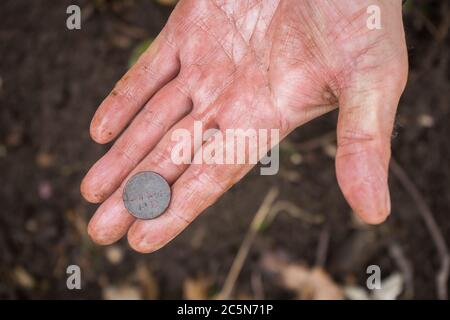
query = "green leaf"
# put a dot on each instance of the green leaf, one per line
(138, 50)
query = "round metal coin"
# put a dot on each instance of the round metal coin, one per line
(146, 195)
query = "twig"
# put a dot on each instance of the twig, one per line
(257, 285)
(242, 254)
(445, 25)
(397, 254)
(294, 211)
(429, 25)
(433, 228)
(438, 32)
(322, 247)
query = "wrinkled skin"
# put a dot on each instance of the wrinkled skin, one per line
(249, 64)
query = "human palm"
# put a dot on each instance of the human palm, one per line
(249, 65)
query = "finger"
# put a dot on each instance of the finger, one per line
(366, 117)
(111, 220)
(163, 110)
(157, 65)
(199, 187)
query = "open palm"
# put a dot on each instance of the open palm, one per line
(250, 65)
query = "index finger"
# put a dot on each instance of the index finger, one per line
(157, 66)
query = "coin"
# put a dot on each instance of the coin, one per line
(146, 195)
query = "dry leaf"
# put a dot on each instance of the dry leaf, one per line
(391, 287)
(148, 282)
(196, 289)
(243, 296)
(23, 278)
(356, 293)
(311, 284)
(124, 292)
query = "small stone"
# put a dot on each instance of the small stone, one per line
(296, 158)
(114, 254)
(425, 121)
(330, 150)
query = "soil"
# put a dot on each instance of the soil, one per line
(53, 79)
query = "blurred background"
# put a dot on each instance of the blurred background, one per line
(309, 245)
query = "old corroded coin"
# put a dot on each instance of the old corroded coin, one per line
(146, 195)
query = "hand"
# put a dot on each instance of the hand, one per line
(249, 64)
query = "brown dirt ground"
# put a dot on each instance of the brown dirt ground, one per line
(51, 82)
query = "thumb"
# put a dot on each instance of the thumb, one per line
(366, 116)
